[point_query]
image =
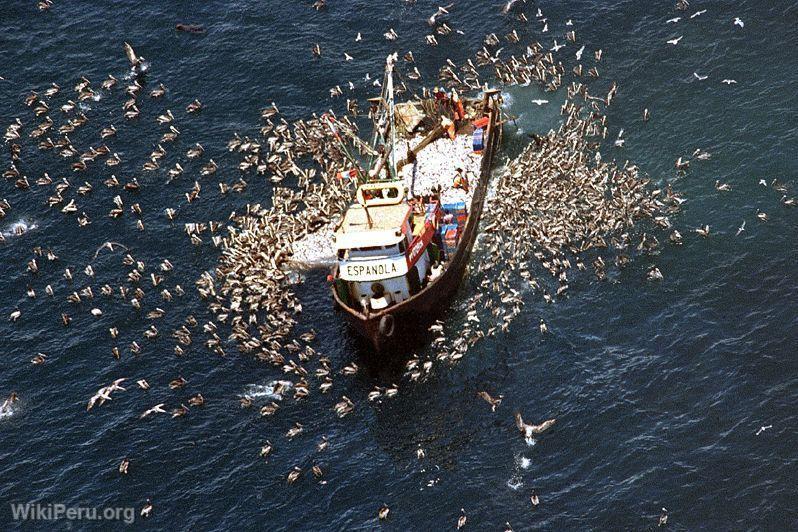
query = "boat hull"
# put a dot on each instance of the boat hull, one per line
(394, 327)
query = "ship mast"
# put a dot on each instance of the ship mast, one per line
(391, 109)
(384, 133)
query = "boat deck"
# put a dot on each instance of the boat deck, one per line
(378, 217)
(436, 166)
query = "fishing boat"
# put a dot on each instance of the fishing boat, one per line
(404, 243)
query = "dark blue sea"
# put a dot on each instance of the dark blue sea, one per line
(660, 389)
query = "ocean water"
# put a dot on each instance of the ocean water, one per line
(659, 388)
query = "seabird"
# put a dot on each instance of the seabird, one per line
(157, 409)
(493, 402)
(529, 430)
(441, 11)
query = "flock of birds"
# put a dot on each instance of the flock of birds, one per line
(576, 203)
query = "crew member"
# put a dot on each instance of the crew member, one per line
(449, 127)
(457, 107)
(461, 181)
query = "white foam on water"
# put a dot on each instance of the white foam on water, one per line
(524, 462)
(18, 228)
(530, 441)
(7, 410)
(266, 391)
(515, 483)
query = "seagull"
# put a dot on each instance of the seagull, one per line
(131, 55)
(540, 102)
(763, 428)
(673, 20)
(579, 53)
(384, 511)
(528, 430)
(441, 11)
(738, 22)
(509, 5)
(654, 274)
(359, 37)
(347, 57)
(703, 231)
(740, 229)
(729, 81)
(698, 13)
(663, 518)
(100, 397)
(157, 409)
(462, 520)
(675, 41)
(699, 77)
(5, 408)
(492, 401)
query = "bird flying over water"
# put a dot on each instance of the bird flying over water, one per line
(441, 11)
(740, 229)
(675, 41)
(528, 430)
(509, 5)
(492, 401)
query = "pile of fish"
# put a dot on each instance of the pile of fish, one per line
(433, 168)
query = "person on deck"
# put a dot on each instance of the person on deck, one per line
(461, 181)
(449, 127)
(457, 107)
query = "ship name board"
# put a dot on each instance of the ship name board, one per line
(372, 270)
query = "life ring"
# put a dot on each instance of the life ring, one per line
(387, 325)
